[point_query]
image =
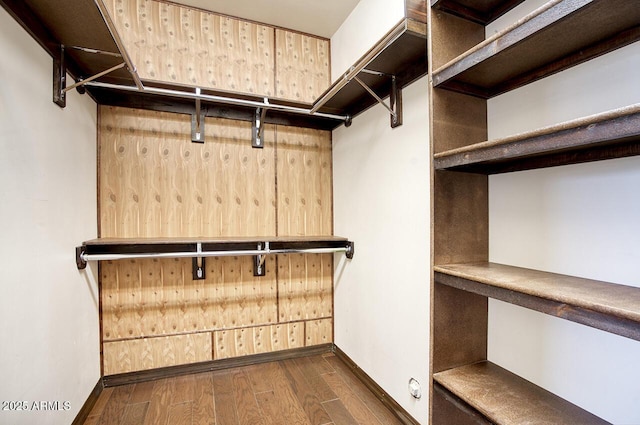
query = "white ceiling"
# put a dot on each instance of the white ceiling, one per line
(318, 17)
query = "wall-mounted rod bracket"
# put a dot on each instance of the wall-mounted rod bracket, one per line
(257, 135)
(350, 250)
(198, 264)
(80, 260)
(395, 97)
(258, 260)
(197, 121)
(59, 78)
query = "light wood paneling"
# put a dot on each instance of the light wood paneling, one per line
(154, 182)
(302, 66)
(304, 182)
(158, 297)
(182, 45)
(304, 208)
(318, 332)
(305, 286)
(150, 353)
(260, 339)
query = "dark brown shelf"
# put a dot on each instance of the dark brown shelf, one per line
(613, 134)
(607, 306)
(559, 35)
(200, 247)
(402, 53)
(159, 245)
(70, 23)
(505, 398)
(479, 11)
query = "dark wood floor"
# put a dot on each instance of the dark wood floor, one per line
(315, 390)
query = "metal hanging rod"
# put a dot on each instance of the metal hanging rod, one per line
(219, 99)
(267, 251)
(116, 38)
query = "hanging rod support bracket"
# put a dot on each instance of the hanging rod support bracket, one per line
(258, 260)
(257, 134)
(59, 78)
(198, 264)
(197, 121)
(80, 261)
(395, 98)
(350, 250)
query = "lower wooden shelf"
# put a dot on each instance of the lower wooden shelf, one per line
(128, 248)
(505, 398)
(602, 305)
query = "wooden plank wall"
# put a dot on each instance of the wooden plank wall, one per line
(183, 45)
(154, 182)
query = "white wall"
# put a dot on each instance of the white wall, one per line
(580, 220)
(365, 26)
(49, 332)
(381, 201)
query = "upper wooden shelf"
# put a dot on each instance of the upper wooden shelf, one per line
(79, 23)
(402, 53)
(479, 11)
(607, 306)
(613, 134)
(557, 36)
(505, 398)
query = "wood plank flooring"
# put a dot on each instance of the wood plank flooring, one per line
(315, 390)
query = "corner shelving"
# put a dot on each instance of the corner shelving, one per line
(529, 50)
(468, 69)
(401, 54)
(505, 398)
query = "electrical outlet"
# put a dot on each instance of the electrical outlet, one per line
(415, 389)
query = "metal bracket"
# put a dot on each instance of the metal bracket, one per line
(198, 265)
(257, 137)
(350, 250)
(197, 122)
(258, 260)
(59, 79)
(395, 98)
(80, 262)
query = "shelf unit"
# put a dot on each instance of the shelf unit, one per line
(466, 70)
